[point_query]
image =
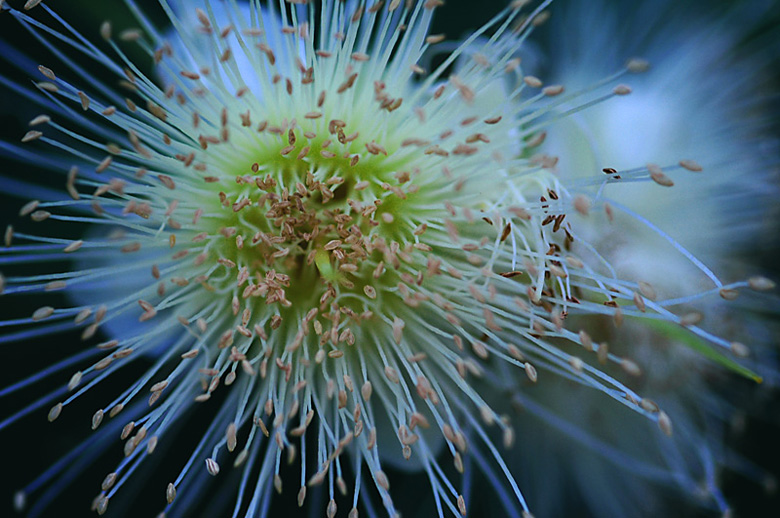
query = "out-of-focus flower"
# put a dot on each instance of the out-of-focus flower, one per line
(340, 257)
(700, 98)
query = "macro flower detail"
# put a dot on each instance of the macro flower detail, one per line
(702, 98)
(331, 251)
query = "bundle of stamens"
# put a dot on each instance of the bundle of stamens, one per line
(716, 108)
(292, 212)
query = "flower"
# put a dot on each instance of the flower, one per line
(700, 98)
(334, 254)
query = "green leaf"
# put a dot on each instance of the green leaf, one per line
(682, 335)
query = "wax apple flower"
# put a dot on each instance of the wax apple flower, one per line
(700, 98)
(698, 78)
(346, 248)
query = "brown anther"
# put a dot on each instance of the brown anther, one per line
(637, 65)
(621, 89)
(691, 165)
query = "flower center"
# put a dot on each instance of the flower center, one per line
(309, 221)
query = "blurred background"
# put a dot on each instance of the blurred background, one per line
(33, 443)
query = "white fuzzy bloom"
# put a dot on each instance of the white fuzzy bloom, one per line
(698, 99)
(342, 259)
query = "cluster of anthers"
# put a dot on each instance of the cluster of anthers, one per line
(344, 238)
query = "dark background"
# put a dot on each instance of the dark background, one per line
(31, 444)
